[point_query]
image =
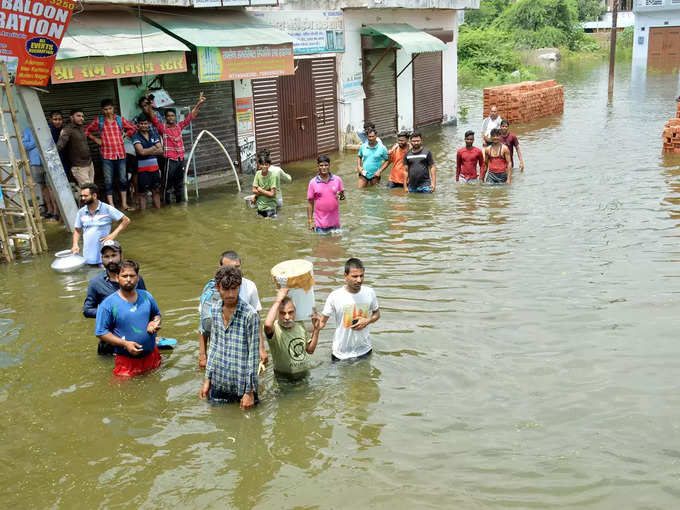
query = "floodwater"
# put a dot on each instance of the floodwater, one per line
(527, 354)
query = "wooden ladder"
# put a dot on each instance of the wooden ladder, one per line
(20, 220)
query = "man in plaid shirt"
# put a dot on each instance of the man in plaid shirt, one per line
(171, 133)
(233, 355)
(110, 140)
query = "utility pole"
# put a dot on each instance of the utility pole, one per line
(612, 51)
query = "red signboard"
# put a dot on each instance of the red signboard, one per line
(30, 34)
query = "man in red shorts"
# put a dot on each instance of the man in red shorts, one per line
(469, 160)
(129, 320)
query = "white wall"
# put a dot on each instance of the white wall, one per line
(648, 20)
(353, 113)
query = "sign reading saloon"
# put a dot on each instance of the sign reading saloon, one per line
(244, 62)
(122, 66)
(30, 34)
(312, 31)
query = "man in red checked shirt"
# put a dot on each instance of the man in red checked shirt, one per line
(110, 140)
(171, 132)
(467, 160)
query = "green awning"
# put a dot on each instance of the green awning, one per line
(407, 38)
(113, 33)
(217, 28)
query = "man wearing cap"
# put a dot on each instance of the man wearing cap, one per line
(105, 284)
(93, 222)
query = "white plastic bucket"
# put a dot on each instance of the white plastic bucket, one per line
(298, 277)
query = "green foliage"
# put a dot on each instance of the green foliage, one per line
(625, 38)
(487, 49)
(545, 36)
(487, 13)
(490, 37)
(535, 14)
(590, 10)
(463, 112)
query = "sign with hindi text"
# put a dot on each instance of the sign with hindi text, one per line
(312, 31)
(121, 66)
(244, 62)
(30, 34)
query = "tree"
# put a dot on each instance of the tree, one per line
(590, 10)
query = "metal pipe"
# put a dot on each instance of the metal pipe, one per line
(191, 155)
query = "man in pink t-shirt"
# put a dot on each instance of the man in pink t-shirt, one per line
(323, 193)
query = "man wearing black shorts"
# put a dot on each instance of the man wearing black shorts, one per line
(147, 146)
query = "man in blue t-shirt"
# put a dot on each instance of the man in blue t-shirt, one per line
(105, 284)
(129, 320)
(372, 160)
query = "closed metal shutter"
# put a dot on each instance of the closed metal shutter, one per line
(216, 115)
(266, 113)
(428, 101)
(326, 105)
(86, 95)
(380, 105)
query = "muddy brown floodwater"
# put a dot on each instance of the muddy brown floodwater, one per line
(527, 354)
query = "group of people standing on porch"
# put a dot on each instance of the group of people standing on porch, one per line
(139, 158)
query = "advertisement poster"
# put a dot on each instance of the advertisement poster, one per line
(244, 116)
(30, 34)
(352, 88)
(312, 31)
(245, 62)
(122, 66)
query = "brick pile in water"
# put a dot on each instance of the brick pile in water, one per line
(526, 101)
(671, 134)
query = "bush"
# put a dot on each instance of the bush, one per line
(536, 14)
(625, 38)
(541, 38)
(487, 13)
(487, 49)
(590, 10)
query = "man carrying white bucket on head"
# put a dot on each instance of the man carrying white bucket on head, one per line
(353, 307)
(289, 341)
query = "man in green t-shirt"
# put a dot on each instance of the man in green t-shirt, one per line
(264, 188)
(289, 341)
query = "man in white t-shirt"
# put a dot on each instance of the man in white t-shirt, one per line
(247, 293)
(493, 121)
(353, 307)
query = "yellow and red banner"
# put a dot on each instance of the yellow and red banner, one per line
(30, 34)
(245, 62)
(121, 66)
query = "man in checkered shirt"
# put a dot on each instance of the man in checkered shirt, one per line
(110, 140)
(234, 351)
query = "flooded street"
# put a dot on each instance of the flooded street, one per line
(527, 354)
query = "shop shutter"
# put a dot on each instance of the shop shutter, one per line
(216, 115)
(86, 95)
(380, 105)
(266, 113)
(326, 104)
(428, 101)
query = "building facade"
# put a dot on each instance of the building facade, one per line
(657, 34)
(292, 76)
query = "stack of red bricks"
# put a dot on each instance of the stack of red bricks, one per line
(526, 101)
(671, 134)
